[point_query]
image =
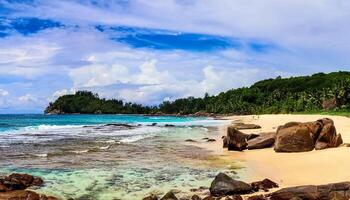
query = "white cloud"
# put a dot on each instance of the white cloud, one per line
(300, 23)
(99, 75)
(216, 81)
(3, 93)
(25, 57)
(155, 85)
(308, 37)
(27, 98)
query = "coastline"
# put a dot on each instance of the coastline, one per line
(287, 169)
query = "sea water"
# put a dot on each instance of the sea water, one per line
(108, 156)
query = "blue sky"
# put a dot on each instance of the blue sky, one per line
(150, 51)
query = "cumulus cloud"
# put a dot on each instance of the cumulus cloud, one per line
(27, 98)
(99, 75)
(3, 93)
(301, 37)
(150, 85)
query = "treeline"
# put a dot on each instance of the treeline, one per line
(85, 102)
(280, 95)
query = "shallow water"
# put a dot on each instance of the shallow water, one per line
(82, 157)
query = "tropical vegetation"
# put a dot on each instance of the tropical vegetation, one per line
(315, 93)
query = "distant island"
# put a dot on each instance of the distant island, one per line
(318, 92)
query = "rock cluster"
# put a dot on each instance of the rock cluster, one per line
(225, 187)
(239, 141)
(242, 126)
(291, 137)
(13, 187)
(17, 181)
(334, 191)
(300, 137)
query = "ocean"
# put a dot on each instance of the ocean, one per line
(102, 157)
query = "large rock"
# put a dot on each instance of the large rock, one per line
(264, 185)
(264, 140)
(241, 126)
(24, 195)
(225, 185)
(235, 140)
(334, 191)
(17, 181)
(328, 137)
(297, 138)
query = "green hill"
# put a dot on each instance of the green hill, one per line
(314, 93)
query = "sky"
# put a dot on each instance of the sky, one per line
(150, 51)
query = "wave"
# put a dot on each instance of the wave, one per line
(45, 127)
(108, 134)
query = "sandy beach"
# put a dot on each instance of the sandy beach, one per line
(289, 169)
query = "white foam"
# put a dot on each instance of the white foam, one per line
(80, 151)
(104, 147)
(110, 141)
(41, 155)
(49, 127)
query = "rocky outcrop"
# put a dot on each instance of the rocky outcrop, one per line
(13, 187)
(17, 181)
(24, 195)
(294, 139)
(242, 126)
(291, 137)
(235, 139)
(334, 191)
(328, 136)
(264, 185)
(264, 140)
(225, 185)
(151, 197)
(300, 137)
(169, 196)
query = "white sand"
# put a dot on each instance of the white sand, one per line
(290, 169)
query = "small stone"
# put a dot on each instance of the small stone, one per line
(195, 197)
(151, 197)
(169, 196)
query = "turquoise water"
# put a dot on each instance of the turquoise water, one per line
(99, 157)
(14, 122)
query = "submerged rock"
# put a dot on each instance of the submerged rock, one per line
(225, 185)
(169, 125)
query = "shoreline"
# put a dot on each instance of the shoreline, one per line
(287, 169)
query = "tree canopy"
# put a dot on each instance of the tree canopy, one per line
(317, 92)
